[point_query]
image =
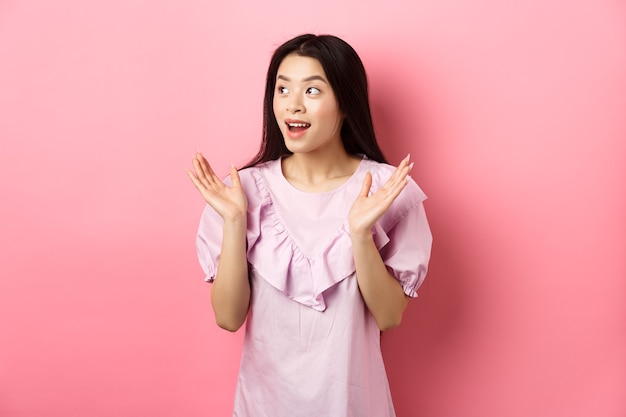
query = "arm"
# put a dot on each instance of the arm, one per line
(381, 292)
(230, 295)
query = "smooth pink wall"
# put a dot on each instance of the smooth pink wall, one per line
(515, 114)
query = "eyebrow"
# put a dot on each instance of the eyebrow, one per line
(311, 78)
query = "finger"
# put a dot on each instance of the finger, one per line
(207, 171)
(367, 184)
(402, 175)
(208, 175)
(195, 181)
(393, 181)
(200, 173)
(393, 187)
(234, 176)
(205, 167)
(397, 172)
(395, 191)
(402, 172)
(404, 163)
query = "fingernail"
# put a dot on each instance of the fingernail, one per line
(232, 165)
(411, 165)
(408, 156)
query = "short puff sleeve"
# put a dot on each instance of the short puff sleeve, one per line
(407, 252)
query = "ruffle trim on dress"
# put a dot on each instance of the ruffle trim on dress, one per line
(278, 260)
(409, 280)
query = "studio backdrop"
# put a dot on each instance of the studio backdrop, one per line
(513, 111)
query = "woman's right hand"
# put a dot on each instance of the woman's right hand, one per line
(229, 202)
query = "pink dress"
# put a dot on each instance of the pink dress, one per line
(311, 346)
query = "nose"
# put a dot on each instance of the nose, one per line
(295, 105)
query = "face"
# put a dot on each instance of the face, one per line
(305, 106)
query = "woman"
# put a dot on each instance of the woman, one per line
(317, 242)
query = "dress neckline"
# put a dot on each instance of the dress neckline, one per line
(278, 167)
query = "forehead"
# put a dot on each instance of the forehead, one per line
(296, 67)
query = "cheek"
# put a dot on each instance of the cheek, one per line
(274, 117)
(328, 111)
(333, 115)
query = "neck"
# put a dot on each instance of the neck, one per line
(314, 171)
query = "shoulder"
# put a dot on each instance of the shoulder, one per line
(254, 180)
(249, 177)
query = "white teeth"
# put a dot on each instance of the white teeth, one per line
(298, 124)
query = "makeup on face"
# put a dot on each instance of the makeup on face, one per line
(305, 105)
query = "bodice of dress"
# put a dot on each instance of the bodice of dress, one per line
(300, 243)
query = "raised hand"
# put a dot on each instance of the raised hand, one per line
(366, 209)
(229, 202)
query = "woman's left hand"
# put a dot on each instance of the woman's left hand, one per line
(367, 209)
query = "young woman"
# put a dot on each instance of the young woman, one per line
(317, 242)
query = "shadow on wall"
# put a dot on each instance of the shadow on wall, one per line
(432, 324)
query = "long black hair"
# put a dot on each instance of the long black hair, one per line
(347, 78)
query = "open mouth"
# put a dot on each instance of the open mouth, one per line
(297, 127)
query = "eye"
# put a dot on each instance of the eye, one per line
(282, 90)
(313, 90)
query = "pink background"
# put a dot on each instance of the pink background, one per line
(515, 113)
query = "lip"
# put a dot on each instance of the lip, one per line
(298, 133)
(295, 121)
